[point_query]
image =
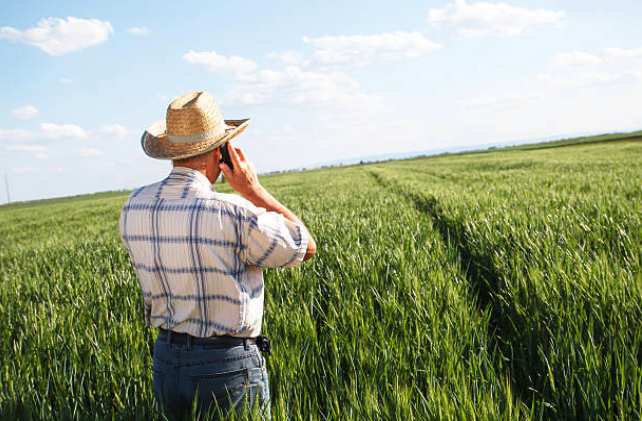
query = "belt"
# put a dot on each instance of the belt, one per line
(212, 342)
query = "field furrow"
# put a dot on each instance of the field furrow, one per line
(553, 249)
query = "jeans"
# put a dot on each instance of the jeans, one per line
(218, 381)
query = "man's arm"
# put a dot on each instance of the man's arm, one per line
(244, 180)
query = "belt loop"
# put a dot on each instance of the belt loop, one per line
(169, 338)
(245, 345)
(189, 342)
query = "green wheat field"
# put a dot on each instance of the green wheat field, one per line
(502, 284)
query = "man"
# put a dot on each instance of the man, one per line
(198, 253)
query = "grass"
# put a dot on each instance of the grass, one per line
(496, 285)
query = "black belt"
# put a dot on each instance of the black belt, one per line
(215, 342)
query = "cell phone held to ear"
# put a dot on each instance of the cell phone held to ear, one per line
(225, 156)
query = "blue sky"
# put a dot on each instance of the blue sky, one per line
(322, 81)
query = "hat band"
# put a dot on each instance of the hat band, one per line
(197, 137)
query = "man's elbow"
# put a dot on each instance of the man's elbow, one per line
(311, 250)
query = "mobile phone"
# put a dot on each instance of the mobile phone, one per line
(225, 156)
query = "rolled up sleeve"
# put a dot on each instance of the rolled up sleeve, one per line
(272, 241)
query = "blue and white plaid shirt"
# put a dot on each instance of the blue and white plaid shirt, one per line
(198, 253)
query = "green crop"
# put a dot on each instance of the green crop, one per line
(496, 285)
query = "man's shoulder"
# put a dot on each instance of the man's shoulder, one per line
(234, 201)
(231, 202)
(144, 191)
(231, 199)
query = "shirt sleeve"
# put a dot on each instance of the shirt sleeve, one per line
(272, 241)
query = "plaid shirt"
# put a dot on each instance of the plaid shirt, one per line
(198, 253)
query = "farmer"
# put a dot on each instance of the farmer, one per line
(198, 253)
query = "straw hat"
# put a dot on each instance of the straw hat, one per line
(194, 125)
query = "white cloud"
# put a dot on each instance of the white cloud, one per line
(89, 152)
(65, 80)
(483, 18)
(286, 133)
(57, 36)
(287, 57)
(623, 56)
(570, 59)
(35, 151)
(635, 73)
(115, 132)
(623, 52)
(25, 148)
(60, 131)
(509, 99)
(106, 132)
(294, 86)
(24, 170)
(26, 112)
(362, 50)
(139, 31)
(213, 61)
(586, 79)
(16, 135)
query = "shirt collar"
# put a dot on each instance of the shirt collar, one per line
(197, 177)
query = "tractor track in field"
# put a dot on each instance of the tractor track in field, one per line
(479, 270)
(484, 280)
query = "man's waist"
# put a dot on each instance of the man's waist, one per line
(170, 336)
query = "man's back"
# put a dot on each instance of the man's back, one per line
(198, 253)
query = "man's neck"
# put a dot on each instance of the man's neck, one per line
(202, 170)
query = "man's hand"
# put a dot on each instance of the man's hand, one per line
(243, 178)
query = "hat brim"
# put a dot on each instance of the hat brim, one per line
(156, 144)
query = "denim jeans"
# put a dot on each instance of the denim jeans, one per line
(217, 380)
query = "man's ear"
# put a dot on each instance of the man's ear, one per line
(217, 155)
(213, 168)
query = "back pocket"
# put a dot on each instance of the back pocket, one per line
(225, 389)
